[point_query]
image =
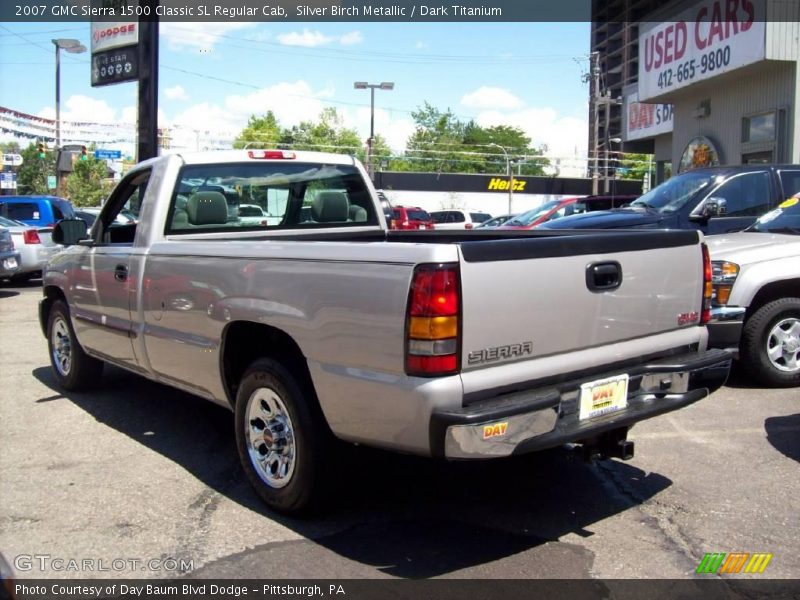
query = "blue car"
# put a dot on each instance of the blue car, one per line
(38, 211)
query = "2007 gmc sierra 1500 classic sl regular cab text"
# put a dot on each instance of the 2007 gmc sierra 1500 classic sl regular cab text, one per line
(317, 323)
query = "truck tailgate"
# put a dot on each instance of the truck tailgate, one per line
(529, 298)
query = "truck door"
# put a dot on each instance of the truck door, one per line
(736, 203)
(105, 287)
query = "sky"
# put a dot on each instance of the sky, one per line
(214, 76)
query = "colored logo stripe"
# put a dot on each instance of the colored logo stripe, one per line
(719, 562)
(711, 562)
(758, 562)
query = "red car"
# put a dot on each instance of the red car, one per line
(411, 217)
(564, 208)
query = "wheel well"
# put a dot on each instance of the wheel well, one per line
(244, 341)
(789, 288)
(51, 294)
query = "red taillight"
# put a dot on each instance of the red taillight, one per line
(708, 288)
(468, 226)
(270, 154)
(433, 332)
(30, 236)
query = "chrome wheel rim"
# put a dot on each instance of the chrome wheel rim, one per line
(783, 345)
(62, 346)
(270, 438)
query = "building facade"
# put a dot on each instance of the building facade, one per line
(716, 82)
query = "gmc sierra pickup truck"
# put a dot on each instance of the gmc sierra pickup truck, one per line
(318, 325)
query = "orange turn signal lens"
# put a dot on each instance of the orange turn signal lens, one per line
(433, 328)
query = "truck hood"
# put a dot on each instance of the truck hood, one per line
(607, 219)
(750, 247)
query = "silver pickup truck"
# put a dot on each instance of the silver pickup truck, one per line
(318, 325)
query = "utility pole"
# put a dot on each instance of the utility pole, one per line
(595, 87)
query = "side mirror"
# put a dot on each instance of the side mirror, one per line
(715, 207)
(69, 232)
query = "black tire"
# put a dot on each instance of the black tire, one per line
(758, 336)
(79, 371)
(304, 489)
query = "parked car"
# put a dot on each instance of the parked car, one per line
(38, 211)
(756, 302)
(495, 221)
(713, 200)
(458, 219)
(35, 247)
(90, 214)
(313, 332)
(411, 217)
(565, 207)
(9, 258)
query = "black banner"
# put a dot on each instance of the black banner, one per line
(711, 588)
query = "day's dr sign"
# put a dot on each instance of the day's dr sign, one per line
(712, 37)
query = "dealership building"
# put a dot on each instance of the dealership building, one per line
(697, 83)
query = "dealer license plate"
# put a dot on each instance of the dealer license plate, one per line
(10, 263)
(604, 396)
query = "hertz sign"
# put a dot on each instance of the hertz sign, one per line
(502, 185)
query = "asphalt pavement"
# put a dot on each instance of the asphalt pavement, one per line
(139, 480)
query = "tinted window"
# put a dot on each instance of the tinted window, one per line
(57, 214)
(455, 217)
(479, 217)
(24, 211)
(439, 217)
(418, 215)
(745, 195)
(791, 183)
(674, 193)
(784, 219)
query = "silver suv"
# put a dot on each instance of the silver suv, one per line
(459, 219)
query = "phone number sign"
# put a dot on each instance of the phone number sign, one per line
(711, 38)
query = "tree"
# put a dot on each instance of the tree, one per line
(635, 166)
(32, 174)
(328, 134)
(88, 184)
(261, 132)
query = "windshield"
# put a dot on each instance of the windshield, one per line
(674, 193)
(784, 219)
(529, 217)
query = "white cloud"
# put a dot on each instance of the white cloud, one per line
(395, 130)
(564, 136)
(176, 93)
(308, 39)
(351, 38)
(198, 36)
(491, 98)
(312, 39)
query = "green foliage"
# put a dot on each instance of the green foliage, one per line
(32, 173)
(440, 143)
(88, 184)
(634, 166)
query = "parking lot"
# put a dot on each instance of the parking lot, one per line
(144, 474)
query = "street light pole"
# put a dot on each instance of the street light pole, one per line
(73, 47)
(363, 85)
(510, 176)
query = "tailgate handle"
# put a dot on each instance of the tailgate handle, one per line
(120, 272)
(605, 276)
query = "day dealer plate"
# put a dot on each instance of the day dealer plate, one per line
(604, 396)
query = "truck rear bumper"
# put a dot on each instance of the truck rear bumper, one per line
(536, 419)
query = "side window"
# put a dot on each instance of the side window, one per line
(791, 183)
(126, 198)
(57, 214)
(745, 195)
(21, 211)
(456, 217)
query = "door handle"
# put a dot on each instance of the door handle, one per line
(121, 273)
(604, 276)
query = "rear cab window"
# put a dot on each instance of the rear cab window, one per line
(269, 196)
(23, 211)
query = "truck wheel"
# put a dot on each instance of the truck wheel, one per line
(770, 346)
(73, 369)
(283, 442)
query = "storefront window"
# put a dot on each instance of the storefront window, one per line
(759, 128)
